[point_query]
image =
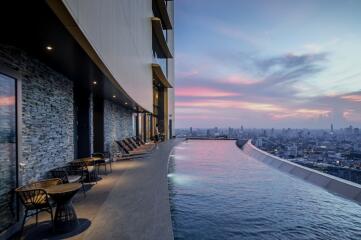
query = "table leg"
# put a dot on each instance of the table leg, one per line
(65, 217)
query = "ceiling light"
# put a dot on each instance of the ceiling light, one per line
(126, 103)
(95, 82)
(114, 96)
(49, 48)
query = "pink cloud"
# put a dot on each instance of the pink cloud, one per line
(188, 74)
(202, 92)
(351, 115)
(302, 113)
(352, 98)
(238, 79)
(254, 106)
(275, 111)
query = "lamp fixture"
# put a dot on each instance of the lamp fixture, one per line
(49, 48)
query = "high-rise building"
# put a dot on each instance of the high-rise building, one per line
(75, 77)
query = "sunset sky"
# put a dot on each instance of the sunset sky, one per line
(268, 63)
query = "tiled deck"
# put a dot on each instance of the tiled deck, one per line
(130, 203)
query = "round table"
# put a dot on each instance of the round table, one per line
(65, 219)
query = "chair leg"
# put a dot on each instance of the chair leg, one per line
(82, 185)
(105, 168)
(36, 216)
(24, 219)
(52, 218)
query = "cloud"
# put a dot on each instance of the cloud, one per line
(238, 79)
(231, 104)
(235, 33)
(352, 98)
(290, 67)
(187, 74)
(351, 115)
(303, 113)
(202, 92)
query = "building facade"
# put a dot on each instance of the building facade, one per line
(75, 76)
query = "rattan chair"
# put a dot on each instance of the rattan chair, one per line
(104, 160)
(35, 199)
(70, 174)
(88, 170)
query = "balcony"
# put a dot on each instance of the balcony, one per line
(159, 39)
(160, 10)
(159, 75)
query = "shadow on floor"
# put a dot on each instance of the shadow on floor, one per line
(44, 230)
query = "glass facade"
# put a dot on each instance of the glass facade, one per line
(162, 63)
(8, 163)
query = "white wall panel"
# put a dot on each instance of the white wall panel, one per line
(121, 34)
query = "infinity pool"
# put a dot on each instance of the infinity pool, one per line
(218, 192)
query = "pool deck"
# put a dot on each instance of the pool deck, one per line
(130, 203)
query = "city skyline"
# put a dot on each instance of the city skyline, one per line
(268, 64)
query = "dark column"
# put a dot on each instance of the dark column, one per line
(81, 122)
(98, 124)
(137, 125)
(145, 129)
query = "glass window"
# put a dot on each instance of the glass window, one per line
(7, 151)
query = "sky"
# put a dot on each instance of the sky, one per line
(268, 63)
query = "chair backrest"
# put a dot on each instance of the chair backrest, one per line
(140, 140)
(127, 143)
(32, 198)
(60, 173)
(34, 194)
(122, 147)
(44, 183)
(78, 165)
(134, 142)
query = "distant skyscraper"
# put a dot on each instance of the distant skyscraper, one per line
(331, 127)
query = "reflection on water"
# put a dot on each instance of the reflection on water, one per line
(217, 192)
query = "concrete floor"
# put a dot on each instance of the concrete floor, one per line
(130, 203)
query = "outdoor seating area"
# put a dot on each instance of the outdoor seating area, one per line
(75, 201)
(58, 191)
(65, 181)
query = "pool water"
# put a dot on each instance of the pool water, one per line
(218, 192)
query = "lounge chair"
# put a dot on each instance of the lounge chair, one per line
(127, 151)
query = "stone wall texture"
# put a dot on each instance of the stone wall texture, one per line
(47, 115)
(118, 124)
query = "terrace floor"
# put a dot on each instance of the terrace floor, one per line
(130, 203)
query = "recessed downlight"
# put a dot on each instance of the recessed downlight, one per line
(49, 48)
(94, 82)
(114, 96)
